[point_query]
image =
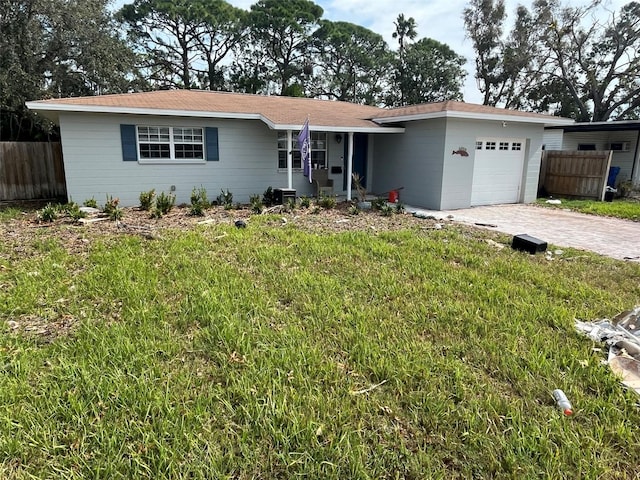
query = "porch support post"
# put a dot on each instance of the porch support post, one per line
(349, 166)
(635, 169)
(289, 159)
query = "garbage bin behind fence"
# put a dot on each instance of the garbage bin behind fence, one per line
(613, 173)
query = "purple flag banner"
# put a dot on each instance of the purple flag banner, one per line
(304, 144)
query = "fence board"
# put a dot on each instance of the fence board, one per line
(31, 171)
(575, 173)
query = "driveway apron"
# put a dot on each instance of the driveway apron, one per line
(612, 237)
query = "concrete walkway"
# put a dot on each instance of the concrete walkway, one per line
(607, 236)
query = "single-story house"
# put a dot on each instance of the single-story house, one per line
(622, 137)
(444, 155)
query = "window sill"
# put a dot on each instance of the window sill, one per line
(171, 161)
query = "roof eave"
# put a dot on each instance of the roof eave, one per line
(52, 110)
(475, 116)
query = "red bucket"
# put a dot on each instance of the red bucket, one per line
(393, 196)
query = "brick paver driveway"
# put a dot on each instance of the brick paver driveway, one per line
(607, 236)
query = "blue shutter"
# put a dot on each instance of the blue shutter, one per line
(211, 135)
(129, 146)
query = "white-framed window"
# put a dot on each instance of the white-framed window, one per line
(170, 143)
(518, 146)
(504, 146)
(490, 146)
(479, 145)
(318, 150)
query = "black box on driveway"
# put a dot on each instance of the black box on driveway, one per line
(527, 243)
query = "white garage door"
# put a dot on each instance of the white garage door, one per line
(497, 171)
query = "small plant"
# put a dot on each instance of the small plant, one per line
(357, 182)
(268, 197)
(48, 213)
(305, 202)
(110, 205)
(316, 210)
(386, 210)
(379, 203)
(256, 204)
(116, 214)
(354, 210)
(164, 203)
(146, 199)
(199, 201)
(291, 205)
(400, 207)
(327, 202)
(90, 202)
(225, 199)
(72, 209)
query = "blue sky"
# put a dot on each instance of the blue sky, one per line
(440, 20)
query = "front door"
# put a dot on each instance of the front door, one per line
(360, 144)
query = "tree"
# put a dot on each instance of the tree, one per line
(598, 63)
(405, 29)
(57, 48)
(572, 61)
(433, 72)
(353, 63)
(282, 29)
(183, 42)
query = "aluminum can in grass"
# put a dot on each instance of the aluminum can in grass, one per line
(562, 401)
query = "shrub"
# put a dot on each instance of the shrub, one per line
(354, 210)
(165, 202)
(256, 204)
(305, 202)
(199, 201)
(291, 205)
(386, 210)
(268, 197)
(48, 213)
(116, 214)
(327, 202)
(400, 207)
(379, 203)
(73, 210)
(225, 199)
(90, 202)
(146, 199)
(110, 205)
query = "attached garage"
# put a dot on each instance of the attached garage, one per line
(497, 171)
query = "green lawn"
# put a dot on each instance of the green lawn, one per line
(219, 352)
(625, 208)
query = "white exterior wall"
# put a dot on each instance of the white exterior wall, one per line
(552, 139)
(94, 167)
(458, 170)
(602, 140)
(412, 160)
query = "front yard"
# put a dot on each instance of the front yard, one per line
(625, 208)
(317, 345)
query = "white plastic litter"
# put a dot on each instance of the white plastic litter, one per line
(622, 335)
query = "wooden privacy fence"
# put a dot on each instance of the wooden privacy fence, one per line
(31, 171)
(575, 173)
